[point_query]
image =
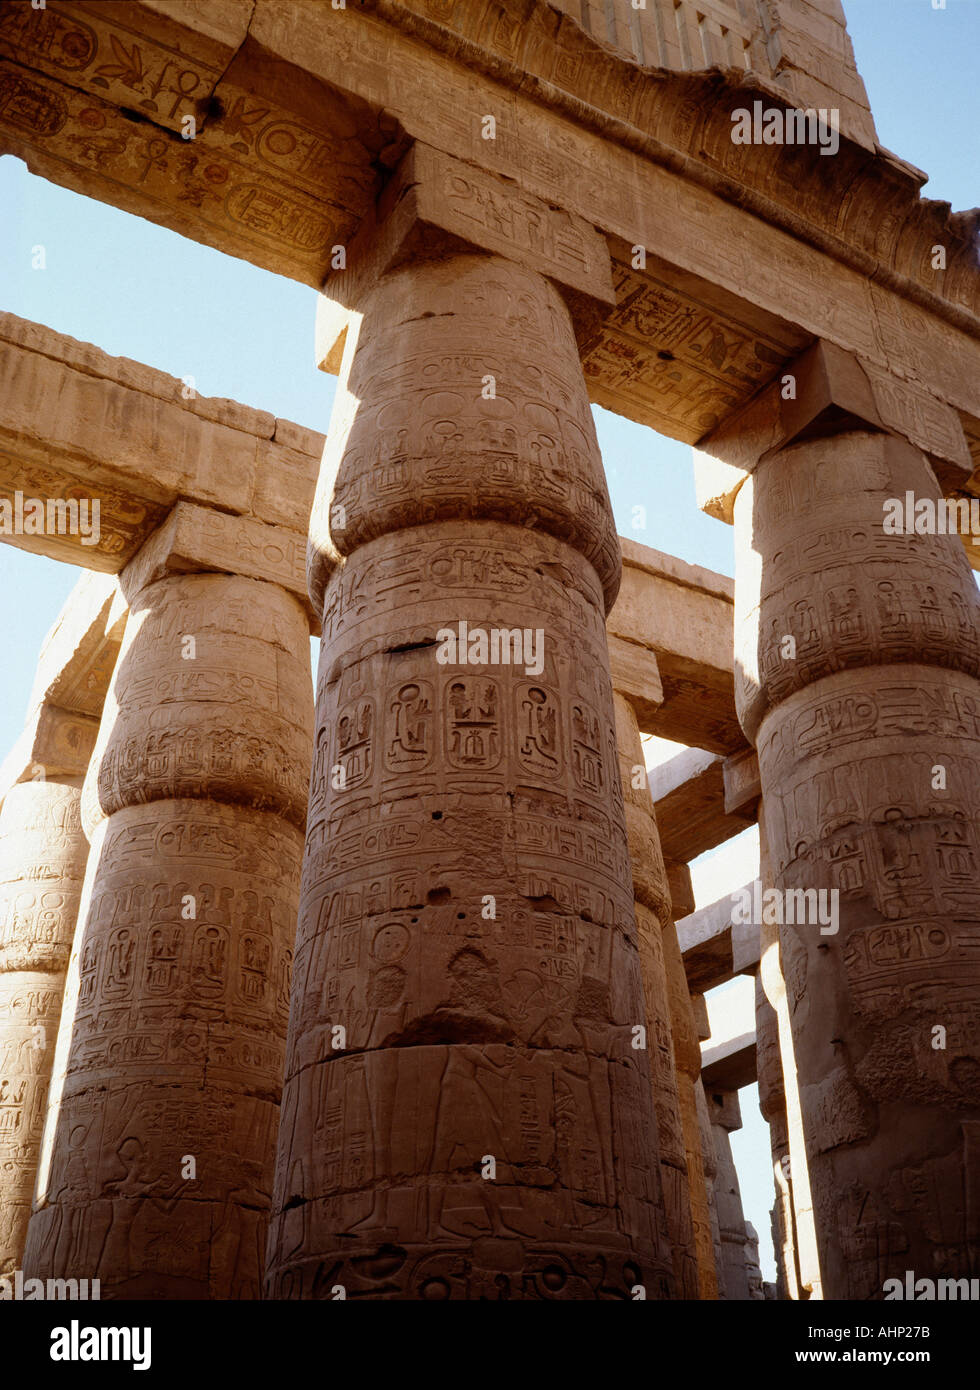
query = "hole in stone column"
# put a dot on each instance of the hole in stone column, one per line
(438, 895)
(437, 815)
(460, 915)
(666, 357)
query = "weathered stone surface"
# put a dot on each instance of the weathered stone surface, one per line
(682, 614)
(733, 1282)
(743, 790)
(42, 864)
(637, 676)
(685, 1031)
(731, 1063)
(709, 1156)
(793, 1158)
(297, 126)
(199, 539)
(883, 691)
(714, 948)
(55, 743)
(76, 423)
(652, 904)
(728, 1055)
(78, 655)
(159, 1145)
(466, 838)
(688, 793)
(772, 1104)
(829, 388)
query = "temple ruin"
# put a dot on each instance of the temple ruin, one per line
(391, 980)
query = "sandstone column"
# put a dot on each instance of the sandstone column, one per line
(725, 1115)
(772, 1104)
(42, 863)
(464, 1115)
(868, 732)
(43, 852)
(652, 904)
(159, 1146)
(701, 1164)
(709, 1159)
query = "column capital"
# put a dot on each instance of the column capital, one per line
(437, 205)
(824, 392)
(197, 539)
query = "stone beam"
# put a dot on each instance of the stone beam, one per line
(77, 423)
(684, 615)
(728, 1055)
(730, 1063)
(297, 125)
(714, 948)
(79, 653)
(689, 798)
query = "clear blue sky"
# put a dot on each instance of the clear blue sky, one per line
(139, 291)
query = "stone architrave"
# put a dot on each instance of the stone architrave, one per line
(652, 904)
(867, 727)
(464, 1114)
(158, 1153)
(42, 864)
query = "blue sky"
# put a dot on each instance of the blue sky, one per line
(139, 291)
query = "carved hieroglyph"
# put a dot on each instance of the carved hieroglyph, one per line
(42, 864)
(158, 1152)
(652, 904)
(772, 1103)
(464, 1115)
(869, 753)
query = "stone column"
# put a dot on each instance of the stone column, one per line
(652, 904)
(725, 1115)
(159, 1147)
(685, 1033)
(772, 1104)
(464, 1113)
(867, 726)
(43, 851)
(709, 1160)
(42, 864)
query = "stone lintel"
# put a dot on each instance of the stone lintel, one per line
(714, 948)
(55, 743)
(743, 789)
(726, 1067)
(684, 615)
(833, 390)
(437, 203)
(635, 676)
(197, 539)
(77, 424)
(689, 800)
(79, 653)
